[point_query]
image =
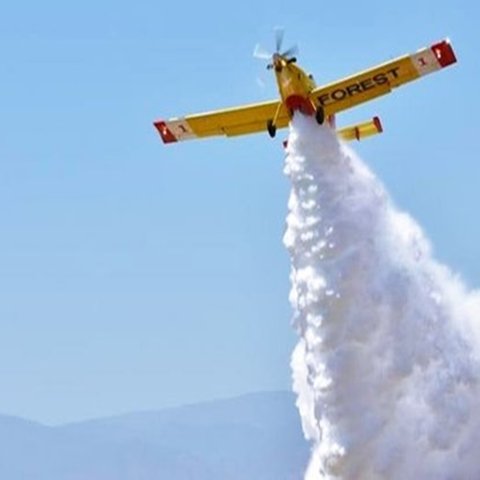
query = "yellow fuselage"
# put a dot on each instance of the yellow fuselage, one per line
(294, 86)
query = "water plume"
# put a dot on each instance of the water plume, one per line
(386, 368)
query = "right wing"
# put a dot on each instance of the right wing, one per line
(380, 80)
(233, 121)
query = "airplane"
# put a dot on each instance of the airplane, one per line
(299, 93)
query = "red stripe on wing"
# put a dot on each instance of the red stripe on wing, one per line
(165, 132)
(444, 53)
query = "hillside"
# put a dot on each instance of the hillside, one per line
(255, 436)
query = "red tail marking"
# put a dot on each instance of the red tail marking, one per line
(378, 124)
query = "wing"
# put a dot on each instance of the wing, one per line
(233, 121)
(380, 80)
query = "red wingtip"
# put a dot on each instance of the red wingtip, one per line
(378, 124)
(165, 132)
(444, 53)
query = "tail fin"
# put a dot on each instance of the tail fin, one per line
(361, 130)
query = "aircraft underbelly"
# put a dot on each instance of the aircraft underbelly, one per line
(300, 103)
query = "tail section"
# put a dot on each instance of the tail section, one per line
(361, 130)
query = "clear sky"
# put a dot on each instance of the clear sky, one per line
(135, 275)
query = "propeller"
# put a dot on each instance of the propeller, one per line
(279, 34)
(261, 53)
(288, 54)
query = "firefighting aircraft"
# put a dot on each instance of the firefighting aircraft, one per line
(298, 92)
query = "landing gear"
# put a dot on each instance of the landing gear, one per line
(320, 115)
(272, 129)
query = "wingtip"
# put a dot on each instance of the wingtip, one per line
(165, 133)
(444, 53)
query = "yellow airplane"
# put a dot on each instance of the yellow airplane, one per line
(298, 92)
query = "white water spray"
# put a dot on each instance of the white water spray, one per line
(387, 368)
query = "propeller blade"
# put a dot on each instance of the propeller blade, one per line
(291, 51)
(261, 82)
(279, 33)
(261, 53)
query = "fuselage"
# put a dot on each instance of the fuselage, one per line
(294, 86)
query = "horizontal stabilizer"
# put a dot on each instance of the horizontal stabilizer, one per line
(361, 130)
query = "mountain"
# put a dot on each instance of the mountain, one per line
(254, 437)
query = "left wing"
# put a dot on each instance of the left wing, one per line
(380, 80)
(233, 121)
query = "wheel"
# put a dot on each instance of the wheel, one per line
(320, 115)
(272, 129)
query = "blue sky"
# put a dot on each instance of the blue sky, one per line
(135, 275)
